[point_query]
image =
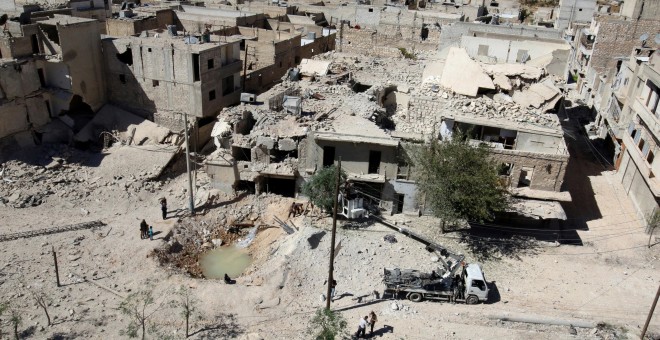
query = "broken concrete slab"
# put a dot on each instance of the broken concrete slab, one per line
(538, 95)
(110, 118)
(309, 67)
(148, 132)
(512, 70)
(266, 142)
(502, 81)
(287, 144)
(464, 76)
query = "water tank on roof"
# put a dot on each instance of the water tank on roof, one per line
(191, 40)
(171, 30)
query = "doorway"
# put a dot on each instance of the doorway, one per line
(399, 203)
(328, 156)
(374, 162)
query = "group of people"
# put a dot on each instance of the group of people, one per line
(368, 320)
(146, 231)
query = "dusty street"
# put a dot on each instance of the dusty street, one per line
(611, 278)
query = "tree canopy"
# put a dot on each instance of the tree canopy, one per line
(321, 187)
(327, 325)
(459, 181)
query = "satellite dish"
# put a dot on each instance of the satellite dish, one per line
(644, 37)
(657, 39)
(4, 17)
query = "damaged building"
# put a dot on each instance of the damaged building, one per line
(52, 70)
(350, 112)
(162, 77)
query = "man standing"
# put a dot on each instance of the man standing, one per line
(163, 207)
(143, 229)
(151, 233)
(362, 327)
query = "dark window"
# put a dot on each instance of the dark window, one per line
(227, 85)
(42, 79)
(155, 83)
(149, 49)
(35, 44)
(374, 162)
(195, 61)
(126, 57)
(212, 95)
(210, 63)
(650, 157)
(328, 156)
(371, 10)
(399, 203)
(122, 78)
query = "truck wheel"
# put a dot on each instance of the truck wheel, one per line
(415, 297)
(472, 300)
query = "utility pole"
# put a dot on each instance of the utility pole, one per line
(190, 186)
(341, 34)
(245, 67)
(648, 319)
(332, 241)
(57, 271)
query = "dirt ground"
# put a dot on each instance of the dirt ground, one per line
(610, 277)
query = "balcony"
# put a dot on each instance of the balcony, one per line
(587, 44)
(650, 120)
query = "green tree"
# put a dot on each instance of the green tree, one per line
(139, 307)
(327, 325)
(459, 181)
(321, 187)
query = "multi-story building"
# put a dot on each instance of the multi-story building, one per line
(637, 163)
(163, 77)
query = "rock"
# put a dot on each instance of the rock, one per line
(53, 165)
(572, 330)
(394, 306)
(216, 242)
(435, 259)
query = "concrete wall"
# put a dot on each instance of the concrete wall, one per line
(574, 11)
(81, 52)
(452, 34)
(548, 170)
(122, 28)
(641, 9)
(635, 185)
(408, 189)
(506, 51)
(354, 156)
(22, 101)
(537, 143)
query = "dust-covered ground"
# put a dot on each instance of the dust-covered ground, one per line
(611, 278)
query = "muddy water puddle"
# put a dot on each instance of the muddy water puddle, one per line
(230, 260)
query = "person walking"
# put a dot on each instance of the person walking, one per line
(362, 327)
(372, 322)
(163, 207)
(151, 233)
(143, 229)
(333, 287)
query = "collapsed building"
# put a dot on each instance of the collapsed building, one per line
(351, 112)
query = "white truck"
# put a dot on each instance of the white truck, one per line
(466, 284)
(454, 281)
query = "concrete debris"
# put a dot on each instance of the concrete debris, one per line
(514, 70)
(543, 95)
(310, 67)
(463, 75)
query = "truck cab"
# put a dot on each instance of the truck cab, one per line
(475, 284)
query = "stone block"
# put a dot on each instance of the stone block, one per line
(287, 144)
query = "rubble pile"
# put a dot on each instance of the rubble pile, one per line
(192, 237)
(25, 185)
